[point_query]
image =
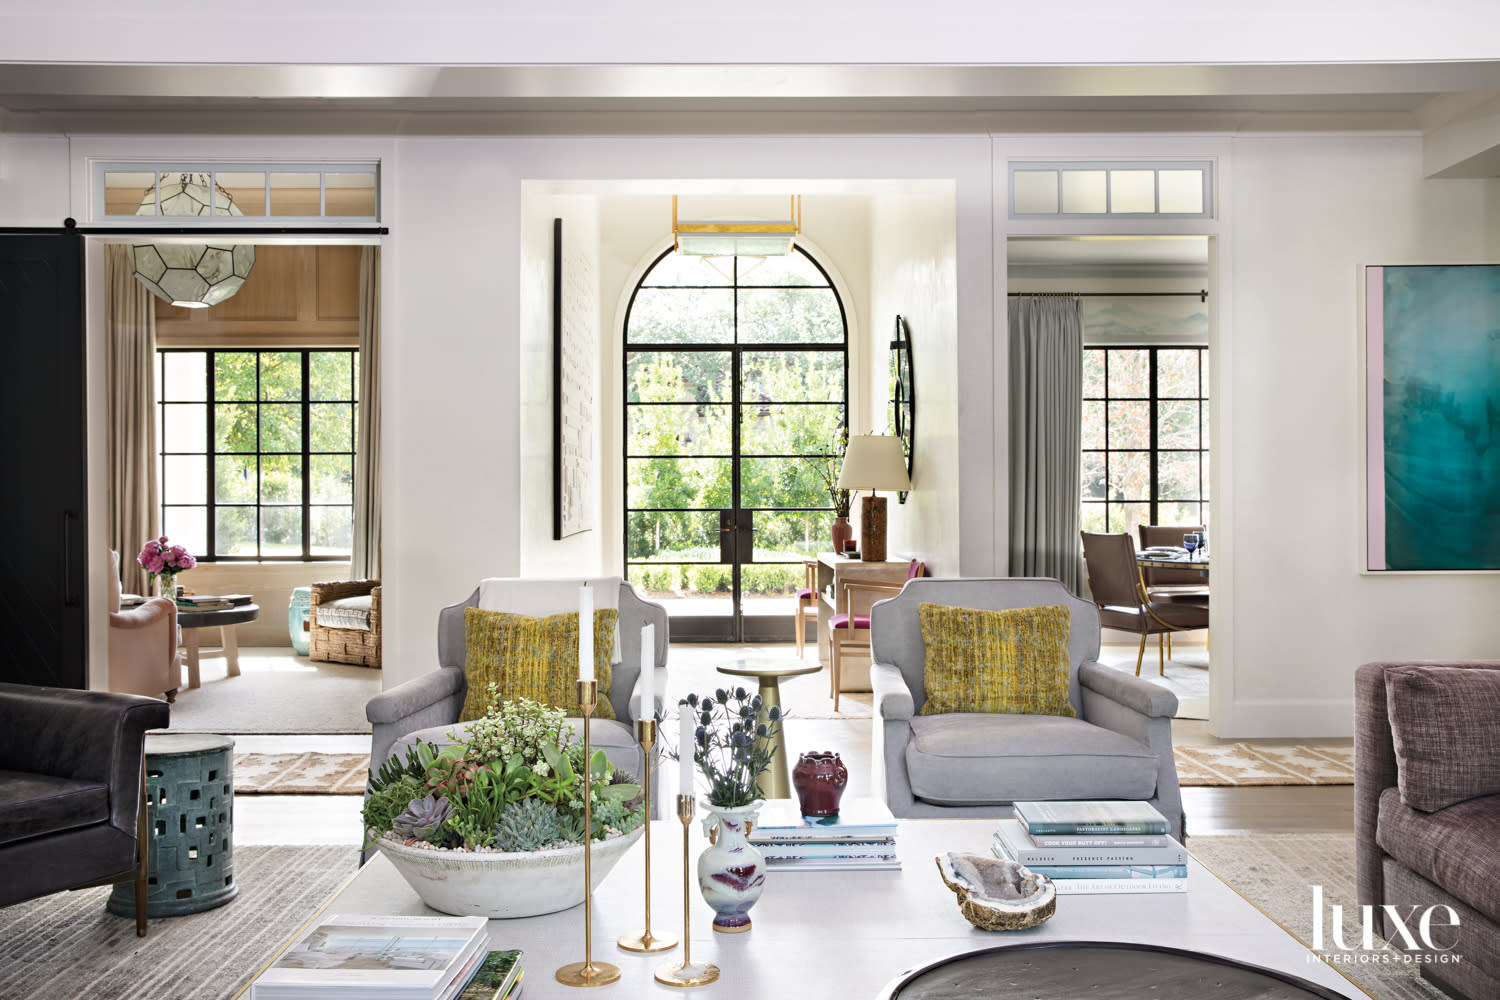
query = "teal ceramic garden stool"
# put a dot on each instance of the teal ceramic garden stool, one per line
(190, 811)
(297, 613)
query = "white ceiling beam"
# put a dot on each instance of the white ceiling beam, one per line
(1465, 146)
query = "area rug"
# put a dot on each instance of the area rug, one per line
(1241, 764)
(277, 692)
(68, 945)
(1186, 674)
(300, 773)
(1276, 872)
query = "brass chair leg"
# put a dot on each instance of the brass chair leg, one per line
(1161, 660)
(1140, 655)
(143, 847)
(1169, 645)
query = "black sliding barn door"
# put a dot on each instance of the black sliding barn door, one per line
(43, 543)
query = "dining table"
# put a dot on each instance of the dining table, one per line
(1197, 562)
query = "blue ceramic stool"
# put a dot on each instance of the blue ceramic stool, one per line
(297, 617)
(190, 816)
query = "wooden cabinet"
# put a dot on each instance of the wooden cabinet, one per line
(832, 571)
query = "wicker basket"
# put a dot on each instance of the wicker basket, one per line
(345, 645)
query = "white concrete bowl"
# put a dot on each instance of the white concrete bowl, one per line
(480, 884)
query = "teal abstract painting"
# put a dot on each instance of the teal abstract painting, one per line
(1433, 410)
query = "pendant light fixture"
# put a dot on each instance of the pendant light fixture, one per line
(737, 238)
(191, 275)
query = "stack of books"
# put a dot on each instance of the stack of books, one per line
(1094, 847)
(392, 958)
(212, 602)
(860, 836)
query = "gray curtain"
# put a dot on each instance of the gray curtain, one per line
(1046, 404)
(367, 455)
(130, 319)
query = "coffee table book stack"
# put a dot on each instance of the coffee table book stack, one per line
(1094, 847)
(213, 602)
(387, 958)
(860, 836)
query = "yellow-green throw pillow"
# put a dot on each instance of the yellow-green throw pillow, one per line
(1014, 661)
(534, 658)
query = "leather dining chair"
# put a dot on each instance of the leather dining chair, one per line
(1116, 585)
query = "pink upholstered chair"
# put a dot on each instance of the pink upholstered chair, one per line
(848, 631)
(807, 600)
(143, 657)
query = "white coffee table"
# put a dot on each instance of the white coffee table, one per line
(847, 934)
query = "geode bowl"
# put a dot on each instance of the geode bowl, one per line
(997, 895)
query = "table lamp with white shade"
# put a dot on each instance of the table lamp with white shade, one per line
(873, 462)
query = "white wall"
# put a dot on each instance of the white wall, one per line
(913, 273)
(1307, 214)
(579, 554)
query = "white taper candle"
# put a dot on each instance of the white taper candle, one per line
(685, 749)
(585, 633)
(648, 672)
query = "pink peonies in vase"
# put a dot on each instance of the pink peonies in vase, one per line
(162, 559)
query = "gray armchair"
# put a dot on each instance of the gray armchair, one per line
(72, 791)
(1119, 746)
(427, 707)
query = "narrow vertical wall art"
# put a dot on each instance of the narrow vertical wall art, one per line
(573, 356)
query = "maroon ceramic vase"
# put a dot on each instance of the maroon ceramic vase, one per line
(820, 778)
(842, 532)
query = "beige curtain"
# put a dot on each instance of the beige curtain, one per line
(367, 455)
(130, 317)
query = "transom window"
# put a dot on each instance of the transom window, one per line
(257, 452)
(1145, 437)
(1092, 190)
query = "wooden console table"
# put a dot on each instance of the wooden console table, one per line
(834, 570)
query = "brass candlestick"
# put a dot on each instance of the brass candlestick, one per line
(645, 731)
(686, 974)
(588, 972)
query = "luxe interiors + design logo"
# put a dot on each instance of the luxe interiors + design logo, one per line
(1412, 932)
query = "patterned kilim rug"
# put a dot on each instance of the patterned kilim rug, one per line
(68, 945)
(1276, 872)
(1233, 764)
(1236, 764)
(300, 773)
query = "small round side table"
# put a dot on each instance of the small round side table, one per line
(775, 783)
(190, 822)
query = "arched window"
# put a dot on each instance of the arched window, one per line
(736, 393)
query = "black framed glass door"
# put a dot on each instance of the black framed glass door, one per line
(736, 375)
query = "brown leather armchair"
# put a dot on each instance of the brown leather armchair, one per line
(143, 656)
(1116, 586)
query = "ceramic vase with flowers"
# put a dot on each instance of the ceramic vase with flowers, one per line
(841, 500)
(163, 561)
(734, 743)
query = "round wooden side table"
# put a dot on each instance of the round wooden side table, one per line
(775, 783)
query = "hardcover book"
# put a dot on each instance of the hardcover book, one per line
(1062, 873)
(1100, 886)
(1019, 846)
(495, 977)
(837, 849)
(377, 958)
(857, 819)
(1091, 817)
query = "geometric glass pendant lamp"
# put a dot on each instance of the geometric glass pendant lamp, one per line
(192, 275)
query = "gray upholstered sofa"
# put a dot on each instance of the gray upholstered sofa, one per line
(965, 764)
(427, 707)
(1427, 812)
(71, 790)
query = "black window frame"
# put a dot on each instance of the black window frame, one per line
(736, 404)
(1153, 399)
(211, 454)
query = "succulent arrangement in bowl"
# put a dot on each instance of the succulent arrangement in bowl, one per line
(506, 797)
